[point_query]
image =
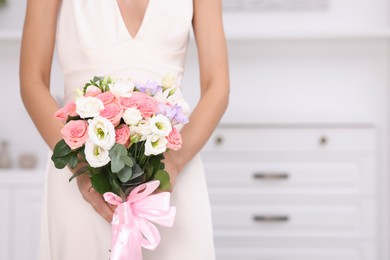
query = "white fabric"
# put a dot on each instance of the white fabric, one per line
(92, 40)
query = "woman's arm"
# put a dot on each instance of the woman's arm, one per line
(214, 80)
(35, 66)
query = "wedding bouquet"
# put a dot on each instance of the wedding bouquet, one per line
(121, 129)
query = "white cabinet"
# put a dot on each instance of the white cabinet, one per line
(4, 224)
(21, 202)
(307, 192)
(27, 219)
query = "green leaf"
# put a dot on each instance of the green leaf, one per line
(70, 118)
(163, 177)
(74, 160)
(149, 171)
(116, 152)
(127, 160)
(125, 174)
(137, 171)
(79, 172)
(118, 190)
(61, 149)
(156, 162)
(117, 164)
(61, 162)
(100, 183)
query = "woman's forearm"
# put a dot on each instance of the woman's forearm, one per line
(203, 120)
(41, 107)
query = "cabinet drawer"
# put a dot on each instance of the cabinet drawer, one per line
(232, 139)
(294, 220)
(290, 254)
(330, 177)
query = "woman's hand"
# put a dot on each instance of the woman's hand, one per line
(94, 198)
(172, 167)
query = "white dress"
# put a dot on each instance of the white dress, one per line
(92, 40)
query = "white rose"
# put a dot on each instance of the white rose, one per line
(88, 106)
(132, 116)
(122, 88)
(101, 132)
(168, 81)
(155, 145)
(142, 129)
(96, 156)
(160, 125)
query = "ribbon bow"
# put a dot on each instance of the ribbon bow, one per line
(131, 224)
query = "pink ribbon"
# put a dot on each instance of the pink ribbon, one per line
(131, 224)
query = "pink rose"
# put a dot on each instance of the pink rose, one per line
(148, 107)
(133, 101)
(122, 135)
(75, 133)
(144, 103)
(107, 98)
(112, 112)
(68, 110)
(174, 140)
(92, 91)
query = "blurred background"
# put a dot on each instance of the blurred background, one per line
(298, 167)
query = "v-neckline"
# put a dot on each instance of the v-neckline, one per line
(123, 23)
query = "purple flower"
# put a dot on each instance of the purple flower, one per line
(178, 114)
(150, 87)
(175, 113)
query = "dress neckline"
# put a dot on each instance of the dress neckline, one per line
(123, 23)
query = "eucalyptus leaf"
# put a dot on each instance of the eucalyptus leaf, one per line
(125, 174)
(117, 164)
(127, 160)
(116, 152)
(137, 171)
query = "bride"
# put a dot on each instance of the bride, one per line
(143, 39)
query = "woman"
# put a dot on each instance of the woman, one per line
(144, 39)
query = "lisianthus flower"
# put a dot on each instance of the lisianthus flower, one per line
(155, 145)
(95, 155)
(150, 87)
(160, 125)
(101, 132)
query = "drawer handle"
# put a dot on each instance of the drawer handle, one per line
(219, 140)
(271, 218)
(271, 175)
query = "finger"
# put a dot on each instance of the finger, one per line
(113, 207)
(101, 206)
